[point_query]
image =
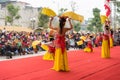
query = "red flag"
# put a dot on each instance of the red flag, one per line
(107, 8)
(108, 0)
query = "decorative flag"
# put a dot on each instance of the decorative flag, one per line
(107, 8)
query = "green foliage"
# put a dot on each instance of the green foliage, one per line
(96, 12)
(117, 4)
(12, 9)
(118, 7)
(13, 13)
(90, 28)
(9, 19)
(17, 17)
(43, 20)
(77, 27)
(96, 21)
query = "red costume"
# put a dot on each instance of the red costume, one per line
(60, 42)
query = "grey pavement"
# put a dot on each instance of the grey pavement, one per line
(40, 53)
(3, 58)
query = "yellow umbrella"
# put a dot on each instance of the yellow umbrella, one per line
(73, 16)
(48, 12)
(34, 43)
(103, 18)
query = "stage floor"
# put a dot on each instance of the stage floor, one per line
(83, 66)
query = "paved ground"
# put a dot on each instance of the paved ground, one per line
(3, 58)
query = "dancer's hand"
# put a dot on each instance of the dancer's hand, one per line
(51, 18)
(69, 19)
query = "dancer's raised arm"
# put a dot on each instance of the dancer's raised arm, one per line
(71, 26)
(50, 24)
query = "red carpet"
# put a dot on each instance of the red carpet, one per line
(83, 66)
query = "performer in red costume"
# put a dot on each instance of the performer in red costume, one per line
(50, 48)
(61, 61)
(105, 42)
(89, 47)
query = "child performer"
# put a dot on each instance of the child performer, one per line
(89, 47)
(50, 48)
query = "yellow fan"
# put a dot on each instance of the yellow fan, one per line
(73, 16)
(45, 47)
(35, 43)
(80, 18)
(103, 18)
(80, 42)
(48, 12)
(83, 38)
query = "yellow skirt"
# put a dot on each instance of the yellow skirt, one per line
(105, 49)
(87, 49)
(48, 56)
(61, 61)
(111, 42)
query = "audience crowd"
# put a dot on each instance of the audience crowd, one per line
(20, 43)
